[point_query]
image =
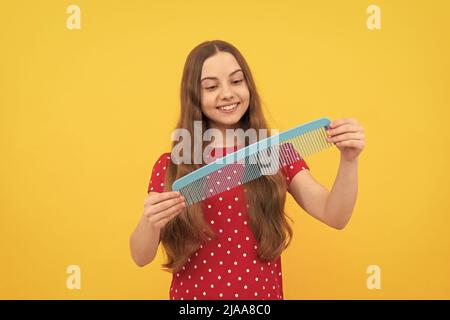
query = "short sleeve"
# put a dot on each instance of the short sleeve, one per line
(292, 162)
(156, 183)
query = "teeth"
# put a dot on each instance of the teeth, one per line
(230, 107)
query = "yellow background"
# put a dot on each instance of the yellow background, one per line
(85, 113)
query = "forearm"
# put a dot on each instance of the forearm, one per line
(144, 242)
(342, 197)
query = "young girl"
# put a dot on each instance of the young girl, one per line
(229, 246)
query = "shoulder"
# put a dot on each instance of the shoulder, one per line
(162, 161)
(158, 173)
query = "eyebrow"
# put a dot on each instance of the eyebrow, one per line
(214, 78)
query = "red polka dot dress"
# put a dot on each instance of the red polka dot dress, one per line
(226, 267)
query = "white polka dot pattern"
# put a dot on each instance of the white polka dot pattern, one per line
(226, 267)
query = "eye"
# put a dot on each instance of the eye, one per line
(211, 88)
(237, 81)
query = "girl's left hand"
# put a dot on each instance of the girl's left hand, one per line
(348, 136)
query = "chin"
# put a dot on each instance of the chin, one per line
(228, 123)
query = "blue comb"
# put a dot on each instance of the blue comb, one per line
(253, 161)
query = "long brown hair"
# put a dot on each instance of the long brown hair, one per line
(182, 236)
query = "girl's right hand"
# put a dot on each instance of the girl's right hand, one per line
(160, 208)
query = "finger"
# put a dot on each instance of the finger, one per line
(158, 197)
(169, 213)
(340, 122)
(343, 128)
(171, 210)
(351, 144)
(156, 214)
(166, 204)
(171, 216)
(151, 209)
(161, 223)
(346, 136)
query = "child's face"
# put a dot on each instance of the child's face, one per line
(222, 86)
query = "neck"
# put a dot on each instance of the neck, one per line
(225, 142)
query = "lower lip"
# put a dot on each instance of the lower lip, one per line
(229, 111)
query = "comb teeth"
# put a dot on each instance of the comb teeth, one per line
(311, 142)
(250, 167)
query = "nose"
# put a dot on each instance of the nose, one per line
(226, 92)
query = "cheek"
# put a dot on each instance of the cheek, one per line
(244, 95)
(208, 102)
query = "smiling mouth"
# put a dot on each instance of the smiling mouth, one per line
(229, 107)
